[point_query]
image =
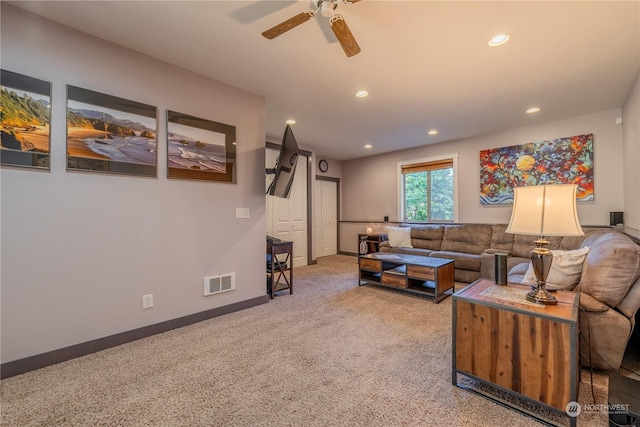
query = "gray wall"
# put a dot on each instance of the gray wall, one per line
(631, 159)
(80, 249)
(370, 184)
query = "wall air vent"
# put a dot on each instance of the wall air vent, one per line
(217, 284)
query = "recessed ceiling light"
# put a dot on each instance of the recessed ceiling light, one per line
(432, 132)
(290, 122)
(533, 110)
(368, 146)
(498, 40)
(362, 94)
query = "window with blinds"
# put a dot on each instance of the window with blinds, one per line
(428, 191)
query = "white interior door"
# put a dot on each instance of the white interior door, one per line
(317, 219)
(326, 218)
(287, 218)
(329, 217)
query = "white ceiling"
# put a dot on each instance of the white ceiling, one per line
(426, 64)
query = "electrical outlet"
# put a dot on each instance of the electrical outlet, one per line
(147, 301)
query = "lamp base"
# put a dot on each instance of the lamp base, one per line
(541, 258)
(542, 296)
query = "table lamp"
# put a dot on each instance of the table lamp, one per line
(544, 210)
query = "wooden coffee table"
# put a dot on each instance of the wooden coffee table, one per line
(428, 276)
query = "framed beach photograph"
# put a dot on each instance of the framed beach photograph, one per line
(567, 160)
(25, 112)
(110, 134)
(200, 149)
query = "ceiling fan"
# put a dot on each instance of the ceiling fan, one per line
(326, 9)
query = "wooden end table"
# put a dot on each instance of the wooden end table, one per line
(370, 243)
(526, 349)
(279, 266)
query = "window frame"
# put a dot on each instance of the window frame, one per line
(453, 158)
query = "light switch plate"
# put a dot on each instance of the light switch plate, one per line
(242, 213)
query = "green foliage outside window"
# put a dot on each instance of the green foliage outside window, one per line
(428, 196)
(415, 196)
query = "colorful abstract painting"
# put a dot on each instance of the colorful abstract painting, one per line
(558, 161)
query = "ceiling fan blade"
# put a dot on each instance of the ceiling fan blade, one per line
(285, 26)
(344, 36)
(352, 1)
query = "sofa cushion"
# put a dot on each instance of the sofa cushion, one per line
(470, 239)
(603, 338)
(500, 239)
(409, 251)
(589, 303)
(399, 237)
(524, 244)
(575, 242)
(630, 303)
(611, 267)
(427, 236)
(565, 272)
(516, 274)
(462, 261)
(591, 237)
(466, 276)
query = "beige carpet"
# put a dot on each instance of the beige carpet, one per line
(331, 354)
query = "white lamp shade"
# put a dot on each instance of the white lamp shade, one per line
(545, 210)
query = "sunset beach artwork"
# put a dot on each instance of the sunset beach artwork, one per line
(25, 111)
(110, 134)
(558, 161)
(199, 148)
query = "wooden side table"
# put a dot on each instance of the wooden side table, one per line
(279, 266)
(527, 349)
(370, 243)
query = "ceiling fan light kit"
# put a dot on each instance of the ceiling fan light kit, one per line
(337, 23)
(326, 8)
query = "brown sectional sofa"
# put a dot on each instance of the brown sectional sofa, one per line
(609, 285)
(471, 246)
(463, 243)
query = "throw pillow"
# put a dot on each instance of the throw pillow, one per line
(566, 269)
(399, 237)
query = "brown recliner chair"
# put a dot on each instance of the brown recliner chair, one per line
(609, 296)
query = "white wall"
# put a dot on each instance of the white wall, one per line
(370, 184)
(80, 249)
(631, 159)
